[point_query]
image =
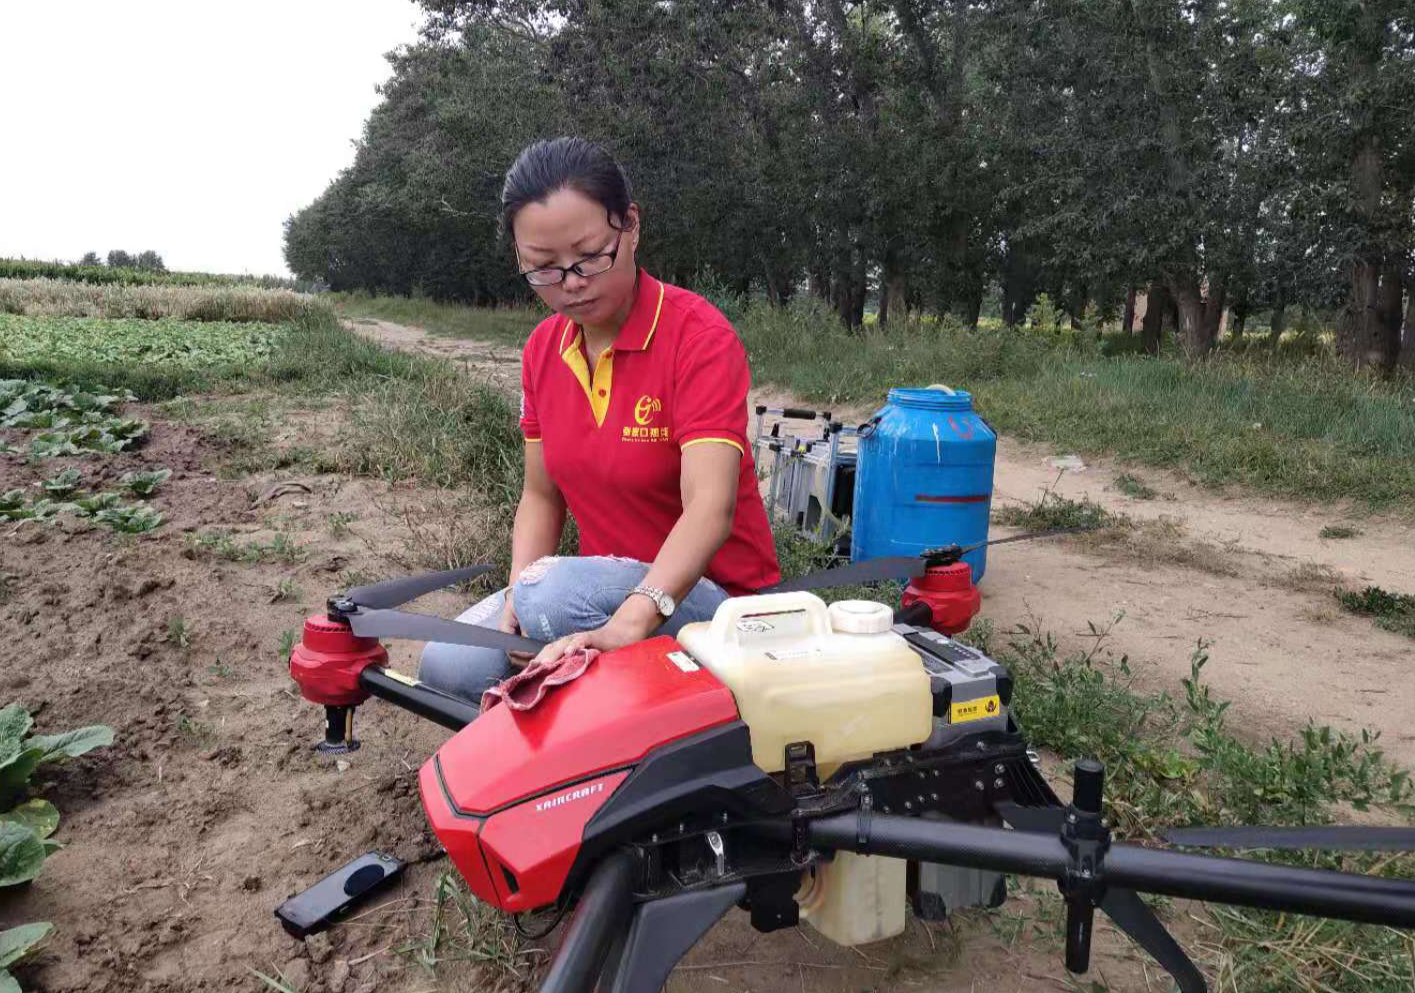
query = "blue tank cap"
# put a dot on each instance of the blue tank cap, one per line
(931, 399)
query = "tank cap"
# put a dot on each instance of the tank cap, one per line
(861, 617)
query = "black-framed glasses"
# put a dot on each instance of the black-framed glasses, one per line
(590, 265)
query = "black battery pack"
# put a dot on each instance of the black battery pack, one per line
(314, 909)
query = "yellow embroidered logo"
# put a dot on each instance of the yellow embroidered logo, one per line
(646, 408)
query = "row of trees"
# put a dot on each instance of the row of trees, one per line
(119, 259)
(1215, 155)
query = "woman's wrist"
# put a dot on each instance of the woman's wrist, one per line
(639, 613)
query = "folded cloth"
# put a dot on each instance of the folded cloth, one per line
(528, 687)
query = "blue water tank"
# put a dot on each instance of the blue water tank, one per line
(923, 477)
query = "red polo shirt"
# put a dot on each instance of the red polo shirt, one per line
(614, 427)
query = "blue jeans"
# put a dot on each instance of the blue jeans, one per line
(554, 597)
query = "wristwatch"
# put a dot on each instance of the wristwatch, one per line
(660, 599)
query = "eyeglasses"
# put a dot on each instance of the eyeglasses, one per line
(590, 265)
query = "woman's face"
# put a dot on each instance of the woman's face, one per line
(565, 229)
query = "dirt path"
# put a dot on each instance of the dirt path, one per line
(1279, 647)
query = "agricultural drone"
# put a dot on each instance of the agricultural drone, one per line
(647, 796)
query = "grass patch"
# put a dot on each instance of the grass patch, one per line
(1134, 487)
(234, 304)
(1052, 511)
(1293, 425)
(1392, 611)
(223, 545)
(507, 325)
(1177, 762)
(1338, 532)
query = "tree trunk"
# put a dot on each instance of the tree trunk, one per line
(1127, 323)
(1279, 321)
(1388, 308)
(1198, 316)
(1407, 350)
(1361, 338)
(896, 293)
(1152, 325)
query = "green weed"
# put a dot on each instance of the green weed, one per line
(178, 633)
(1133, 486)
(223, 545)
(1051, 511)
(1392, 611)
(286, 591)
(463, 929)
(1338, 532)
(339, 522)
(287, 643)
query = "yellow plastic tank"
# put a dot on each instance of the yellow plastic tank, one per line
(838, 677)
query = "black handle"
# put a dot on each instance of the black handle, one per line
(805, 415)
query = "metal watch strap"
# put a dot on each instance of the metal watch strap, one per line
(661, 600)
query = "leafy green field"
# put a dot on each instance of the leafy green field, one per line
(184, 344)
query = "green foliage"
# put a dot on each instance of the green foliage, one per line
(1392, 611)
(63, 485)
(223, 545)
(97, 504)
(183, 344)
(1133, 486)
(1338, 532)
(129, 275)
(25, 828)
(237, 304)
(1054, 511)
(145, 484)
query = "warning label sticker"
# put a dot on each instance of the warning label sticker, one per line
(683, 661)
(975, 710)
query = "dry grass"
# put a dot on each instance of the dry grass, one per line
(1311, 577)
(63, 298)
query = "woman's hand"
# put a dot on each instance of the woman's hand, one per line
(511, 624)
(633, 622)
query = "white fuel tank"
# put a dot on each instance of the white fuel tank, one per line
(838, 677)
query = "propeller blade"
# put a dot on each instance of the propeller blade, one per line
(396, 592)
(870, 571)
(425, 627)
(1339, 838)
(1027, 537)
(1037, 820)
(1133, 916)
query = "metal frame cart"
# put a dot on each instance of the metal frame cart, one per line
(812, 478)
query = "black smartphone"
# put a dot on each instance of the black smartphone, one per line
(316, 908)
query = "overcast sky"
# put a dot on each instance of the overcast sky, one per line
(193, 128)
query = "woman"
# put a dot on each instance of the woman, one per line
(633, 408)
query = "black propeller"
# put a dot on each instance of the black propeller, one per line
(1339, 838)
(424, 627)
(899, 566)
(369, 612)
(396, 592)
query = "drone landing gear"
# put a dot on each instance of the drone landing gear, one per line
(1087, 840)
(338, 731)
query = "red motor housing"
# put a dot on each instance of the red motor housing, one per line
(328, 660)
(949, 593)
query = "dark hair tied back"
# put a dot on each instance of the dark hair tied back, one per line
(559, 163)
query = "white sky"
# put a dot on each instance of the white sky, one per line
(193, 128)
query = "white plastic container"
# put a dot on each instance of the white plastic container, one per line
(856, 899)
(838, 678)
